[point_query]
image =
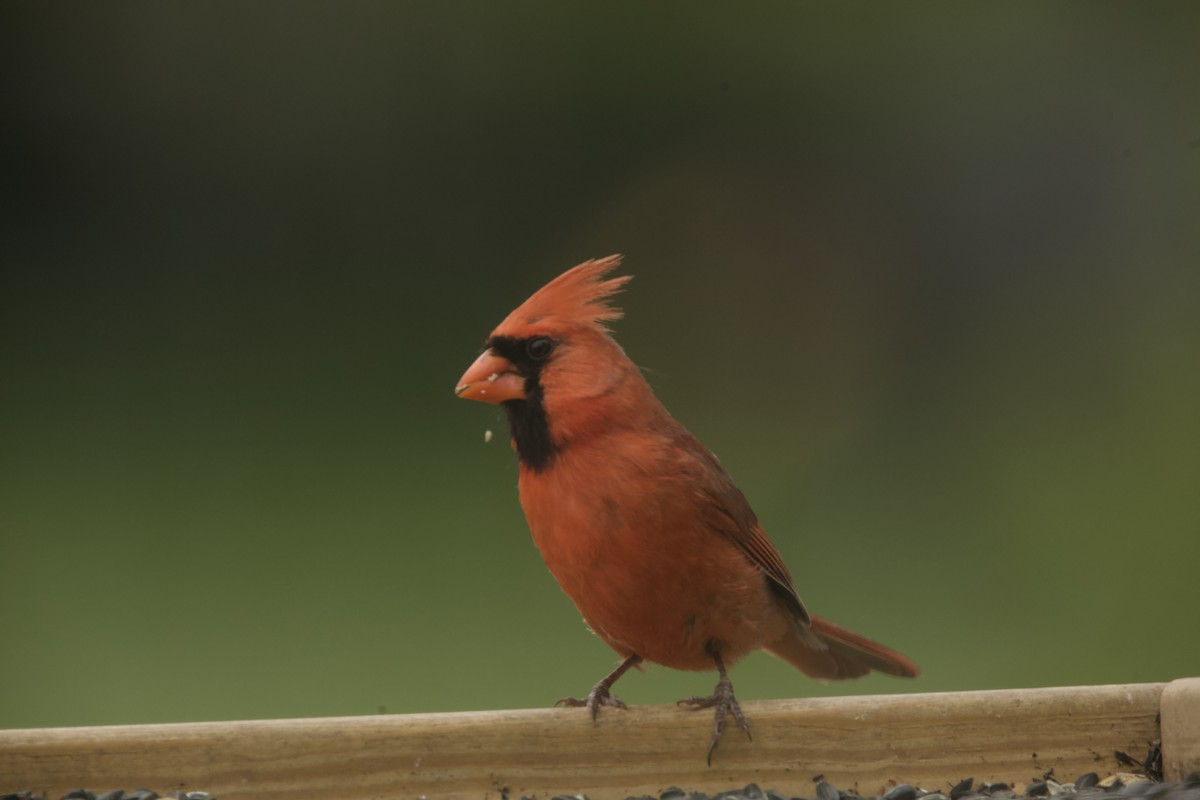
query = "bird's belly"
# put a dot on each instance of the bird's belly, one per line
(656, 594)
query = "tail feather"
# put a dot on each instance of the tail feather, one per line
(831, 652)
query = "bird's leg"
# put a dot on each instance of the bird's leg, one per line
(600, 695)
(722, 697)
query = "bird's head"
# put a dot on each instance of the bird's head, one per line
(552, 364)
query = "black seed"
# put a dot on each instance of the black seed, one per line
(1125, 760)
(671, 793)
(79, 794)
(1037, 789)
(902, 792)
(1086, 781)
(1153, 763)
(962, 788)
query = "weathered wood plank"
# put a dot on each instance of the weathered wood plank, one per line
(1181, 728)
(931, 740)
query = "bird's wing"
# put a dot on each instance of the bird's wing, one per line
(731, 516)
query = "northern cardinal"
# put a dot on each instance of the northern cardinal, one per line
(637, 520)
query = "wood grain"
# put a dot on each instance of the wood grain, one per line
(930, 740)
(1181, 728)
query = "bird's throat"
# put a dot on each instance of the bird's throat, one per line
(530, 430)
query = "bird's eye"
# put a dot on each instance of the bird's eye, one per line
(539, 347)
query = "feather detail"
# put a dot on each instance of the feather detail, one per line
(731, 516)
(576, 299)
(759, 549)
(830, 652)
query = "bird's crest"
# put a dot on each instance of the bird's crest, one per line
(577, 298)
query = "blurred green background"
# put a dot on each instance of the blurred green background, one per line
(926, 277)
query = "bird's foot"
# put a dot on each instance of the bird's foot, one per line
(722, 698)
(600, 695)
(597, 697)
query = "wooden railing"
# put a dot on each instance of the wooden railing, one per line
(865, 743)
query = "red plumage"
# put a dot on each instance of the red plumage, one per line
(637, 520)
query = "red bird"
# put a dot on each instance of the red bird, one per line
(637, 520)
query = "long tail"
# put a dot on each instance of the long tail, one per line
(830, 652)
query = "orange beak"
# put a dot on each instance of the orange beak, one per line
(491, 379)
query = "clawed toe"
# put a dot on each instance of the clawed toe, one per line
(723, 700)
(596, 698)
(600, 695)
